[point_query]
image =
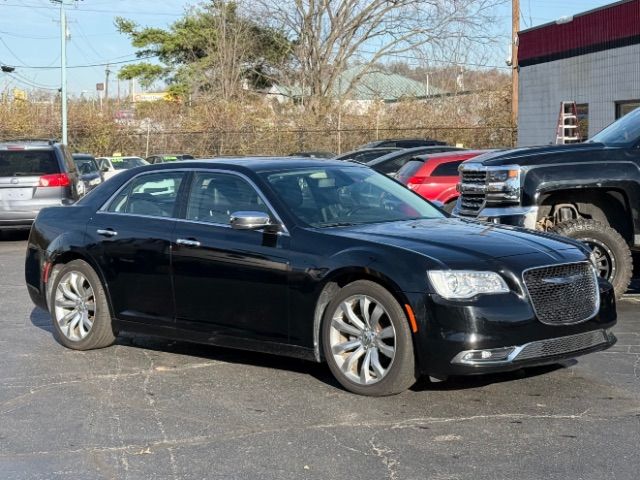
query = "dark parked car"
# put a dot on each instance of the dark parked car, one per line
(390, 163)
(318, 259)
(88, 169)
(35, 174)
(588, 191)
(318, 154)
(404, 143)
(365, 155)
(169, 158)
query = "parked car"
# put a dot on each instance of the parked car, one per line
(35, 174)
(435, 177)
(403, 143)
(88, 169)
(390, 163)
(169, 158)
(585, 191)
(365, 155)
(111, 166)
(319, 259)
(312, 154)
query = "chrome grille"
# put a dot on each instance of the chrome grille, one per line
(562, 345)
(472, 202)
(472, 196)
(474, 176)
(563, 294)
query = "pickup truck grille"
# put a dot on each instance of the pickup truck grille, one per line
(472, 202)
(472, 199)
(563, 294)
(474, 176)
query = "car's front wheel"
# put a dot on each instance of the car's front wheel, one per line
(79, 309)
(367, 341)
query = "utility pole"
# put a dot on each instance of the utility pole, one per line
(107, 72)
(515, 27)
(63, 65)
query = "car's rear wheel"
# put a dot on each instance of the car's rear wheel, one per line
(367, 342)
(79, 309)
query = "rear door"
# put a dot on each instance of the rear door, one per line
(440, 184)
(131, 240)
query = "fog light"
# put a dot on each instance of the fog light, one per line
(484, 356)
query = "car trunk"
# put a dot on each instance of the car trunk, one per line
(28, 177)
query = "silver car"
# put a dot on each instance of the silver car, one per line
(35, 174)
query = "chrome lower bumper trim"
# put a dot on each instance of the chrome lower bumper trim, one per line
(528, 215)
(540, 349)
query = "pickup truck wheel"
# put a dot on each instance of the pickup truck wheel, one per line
(612, 254)
(449, 206)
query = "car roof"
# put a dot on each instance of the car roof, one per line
(258, 164)
(408, 151)
(443, 157)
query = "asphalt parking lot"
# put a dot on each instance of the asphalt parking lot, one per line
(157, 409)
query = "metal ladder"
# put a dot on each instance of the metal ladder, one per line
(567, 129)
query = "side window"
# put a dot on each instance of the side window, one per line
(215, 196)
(153, 195)
(449, 169)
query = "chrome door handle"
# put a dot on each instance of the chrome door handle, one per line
(107, 232)
(188, 243)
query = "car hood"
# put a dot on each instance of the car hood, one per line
(453, 242)
(544, 154)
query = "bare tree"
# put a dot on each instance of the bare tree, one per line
(332, 35)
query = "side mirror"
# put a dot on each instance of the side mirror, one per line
(250, 220)
(437, 203)
(104, 169)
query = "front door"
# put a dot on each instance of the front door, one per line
(228, 283)
(131, 242)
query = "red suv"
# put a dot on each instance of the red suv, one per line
(435, 176)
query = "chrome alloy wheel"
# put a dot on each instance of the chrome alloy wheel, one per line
(605, 261)
(75, 306)
(362, 339)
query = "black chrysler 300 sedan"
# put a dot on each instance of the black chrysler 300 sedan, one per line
(323, 260)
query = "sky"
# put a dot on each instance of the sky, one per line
(30, 36)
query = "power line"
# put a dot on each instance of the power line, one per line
(104, 64)
(79, 10)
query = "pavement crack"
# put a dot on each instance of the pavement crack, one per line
(156, 414)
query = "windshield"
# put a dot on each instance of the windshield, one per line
(624, 131)
(342, 196)
(128, 162)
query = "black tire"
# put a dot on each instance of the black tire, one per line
(101, 333)
(401, 373)
(610, 243)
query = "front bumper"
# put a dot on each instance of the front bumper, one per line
(518, 216)
(505, 324)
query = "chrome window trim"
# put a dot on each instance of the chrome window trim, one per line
(272, 210)
(593, 271)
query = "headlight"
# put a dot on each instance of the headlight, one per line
(502, 175)
(461, 284)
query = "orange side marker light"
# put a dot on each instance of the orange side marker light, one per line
(412, 318)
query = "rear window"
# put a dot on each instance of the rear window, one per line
(86, 165)
(449, 169)
(409, 170)
(24, 163)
